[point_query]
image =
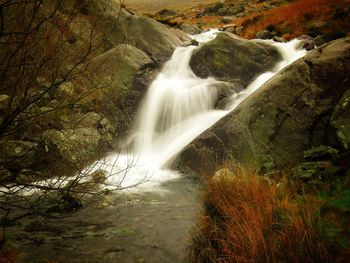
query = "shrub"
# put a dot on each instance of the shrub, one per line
(249, 218)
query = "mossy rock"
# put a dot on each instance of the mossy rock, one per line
(321, 153)
(314, 171)
(273, 127)
(229, 58)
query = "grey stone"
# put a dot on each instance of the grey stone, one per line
(229, 58)
(275, 125)
(321, 153)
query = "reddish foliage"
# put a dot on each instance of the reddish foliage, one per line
(293, 19)
(250, 220)
(8, 256)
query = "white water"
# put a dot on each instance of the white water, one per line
(178, 107)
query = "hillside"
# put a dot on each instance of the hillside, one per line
(153, 6)
(287, 19)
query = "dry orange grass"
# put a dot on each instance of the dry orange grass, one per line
(294, 18)
(250, 220)
(8, 256)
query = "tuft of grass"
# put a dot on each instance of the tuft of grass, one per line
(249, 218)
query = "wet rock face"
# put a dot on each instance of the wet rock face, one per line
(321, 163)
(296, 110)
(73, 146)
(230, 58)
(314, 172)
(83, 114)
(155, 39)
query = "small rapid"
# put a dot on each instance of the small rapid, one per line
(153, 223)
(177, 108)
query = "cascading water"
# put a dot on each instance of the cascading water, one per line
(165, 124)
(178, 107)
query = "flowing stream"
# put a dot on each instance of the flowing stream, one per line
(178, 107)
(146, 225)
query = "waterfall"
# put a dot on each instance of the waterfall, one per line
(177, 108)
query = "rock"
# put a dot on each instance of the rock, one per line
(229, 58)
(120, 26)
(236, 10)
(90, 119)
(68, 203)
(239, 31)
(66, 92)
(17, 155)
(214, 8)
(306, 43)
(279, 39)
(5, 175)
(54, 104)
(105, 128)
(73, 147)
(227, 19)
(321, 153)
(320, 40)
(264, 34)
(4, 100)
(27, 176)
(314, 171)
(122, 75)
(155, 39)
(276, 124)
(165, 13)
(98, 177)
(192, 42)
(225, 90)
(102, 94)
(232, 28)
(190, 29)
(197, 160)
(341, 120)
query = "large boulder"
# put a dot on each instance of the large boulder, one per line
(155, 39)
(16, 155)
(104, 59)
(73, 147)
(289, 114)
(113, 25)
(229, 58)
(116, 75)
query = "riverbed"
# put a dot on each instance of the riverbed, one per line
(129, 227)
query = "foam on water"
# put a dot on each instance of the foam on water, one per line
(178, 107)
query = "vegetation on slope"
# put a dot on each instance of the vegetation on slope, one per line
(311, 17)
(250, 218)
(288, 18)
(154, 6)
